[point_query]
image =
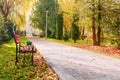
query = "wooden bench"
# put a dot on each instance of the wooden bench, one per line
(28, 48)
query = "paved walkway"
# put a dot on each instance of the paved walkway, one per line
(72, 63)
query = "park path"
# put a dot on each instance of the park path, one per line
(72, 63)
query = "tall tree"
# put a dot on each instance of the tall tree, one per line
(40, 10)
(93, 23)
(21, 11)
(5, 6)
(99, 24)
(67, 11)
(60, 26)
(112, 21)
(75, 28)
(15, 10)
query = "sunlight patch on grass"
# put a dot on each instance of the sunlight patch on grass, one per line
(8, 45)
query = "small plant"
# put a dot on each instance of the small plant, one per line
(65, 37)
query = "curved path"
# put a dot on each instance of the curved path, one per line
(72, 63)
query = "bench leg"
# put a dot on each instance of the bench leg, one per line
(16, 56)
(16, 59)
(32, 58)
(24, 59)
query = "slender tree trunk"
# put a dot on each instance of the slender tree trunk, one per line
(93, 25)
(82, 34)
(99, 24)
(99, 35)
(56, 19)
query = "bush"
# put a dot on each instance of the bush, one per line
(113, 41)
(75, 28)
(117, 42)
(65, 37)
(6, 31)
(75, 33)
(70, 40)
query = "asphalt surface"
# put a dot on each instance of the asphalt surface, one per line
(72, 63)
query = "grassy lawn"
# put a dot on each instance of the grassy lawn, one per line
(71, 42)
(84, 44)
(9, 71)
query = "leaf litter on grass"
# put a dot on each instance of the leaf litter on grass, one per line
(110, 51)
(9, 71)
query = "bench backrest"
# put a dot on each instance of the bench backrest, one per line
(25, 48)
(17, 38)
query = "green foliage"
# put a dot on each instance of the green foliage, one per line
(6, 31)
(112, 41)
(75, 32)
(116, 32)
(60, 26)
(112, 23)
(94, 18)
(65, 36)
(38, 18)
(75, 28)
(70, 40)
(116, 27)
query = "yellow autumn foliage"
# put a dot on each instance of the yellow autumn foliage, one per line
(20, 11)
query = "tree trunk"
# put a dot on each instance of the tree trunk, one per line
(93, 25)
(60, 26)
(99, 35)
(82, 34)
(99, 25)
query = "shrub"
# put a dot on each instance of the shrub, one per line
(66, 37)
(75, 28)
(6, 31)
(70, 40)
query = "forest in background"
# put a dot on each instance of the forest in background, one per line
(97, 21)
(94, 21)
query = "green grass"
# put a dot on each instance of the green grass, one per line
(71, 42)
(8, 69)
